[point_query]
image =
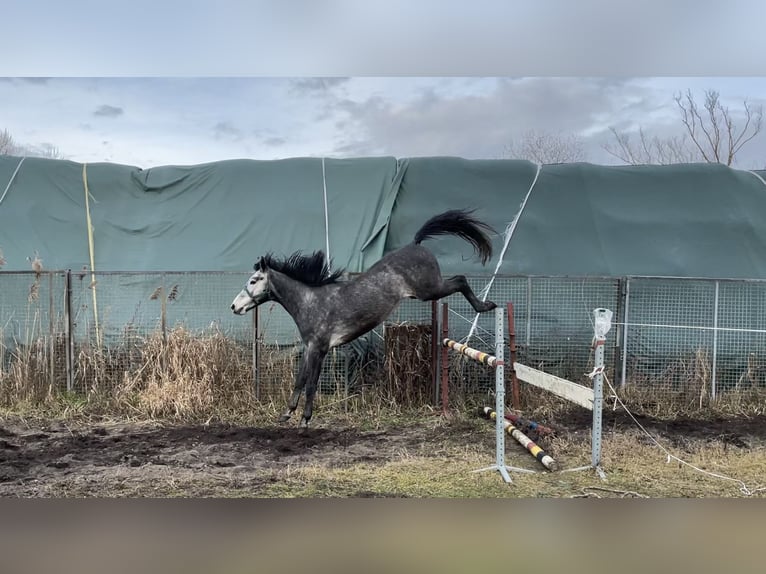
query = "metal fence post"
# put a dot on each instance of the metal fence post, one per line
(715, 344)
(445, 360)
(256, 370)
(500, 396)
(512, 356)
(435, 345)
(601, 325)
(529, 313)
(625, 345)
(68, 334)
(51, 329)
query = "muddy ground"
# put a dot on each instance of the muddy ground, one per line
(56, 459)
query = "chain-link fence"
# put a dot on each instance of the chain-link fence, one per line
(673, 339)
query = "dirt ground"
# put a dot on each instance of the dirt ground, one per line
(57, 459)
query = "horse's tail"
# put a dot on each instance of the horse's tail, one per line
(460, 223)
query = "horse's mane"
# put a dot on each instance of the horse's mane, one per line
(313, 270)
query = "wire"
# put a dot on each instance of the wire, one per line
(326, 216)
(509, 231)
(742, 486)
(10, 181)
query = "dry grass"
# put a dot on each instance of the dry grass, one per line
(408, 368)
(185, 376)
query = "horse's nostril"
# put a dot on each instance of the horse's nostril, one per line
(232, 306)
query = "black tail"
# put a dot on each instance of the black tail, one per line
(460, 223)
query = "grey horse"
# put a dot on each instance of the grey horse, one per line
(330, 312)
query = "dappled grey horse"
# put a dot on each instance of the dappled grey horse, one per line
(329, 312)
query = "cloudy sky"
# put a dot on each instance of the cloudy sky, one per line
(151, 83)
(161, 121)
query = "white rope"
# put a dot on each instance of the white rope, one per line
(326, 216)
(742, 486)
(758, 176)
(700, 327)
(467, 320)
(509, 231)
(10, 181)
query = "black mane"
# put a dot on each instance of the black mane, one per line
(313, 270)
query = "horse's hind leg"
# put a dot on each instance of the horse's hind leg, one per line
(456, 284)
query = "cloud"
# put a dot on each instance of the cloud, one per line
(274, 142)
(25, 80)
(226, 130)
(184, 121)
(107, 111)
(479, 122)
(313, 85)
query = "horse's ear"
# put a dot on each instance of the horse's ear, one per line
(260, 265)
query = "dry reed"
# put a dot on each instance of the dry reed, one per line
(193, 376)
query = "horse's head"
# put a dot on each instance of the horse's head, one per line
(256, 290)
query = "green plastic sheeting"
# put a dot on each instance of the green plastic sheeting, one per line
(217, 216)
(695, 220)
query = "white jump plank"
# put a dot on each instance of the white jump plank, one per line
(568, 390)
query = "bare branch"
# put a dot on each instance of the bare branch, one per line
(692, 119)
(651, 151)
(7, 145)
(722, 138)
(712, 106)
(754, 116)
(547, 148)
(623, 151)
(713, 133)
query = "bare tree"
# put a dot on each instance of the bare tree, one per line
(7, 145)
(46, 150)
(652, 150)
(713, 130)
(710, 135)
(546, 147)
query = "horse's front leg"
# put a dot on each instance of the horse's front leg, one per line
(300, 382)
(314, 359)
(307, 377)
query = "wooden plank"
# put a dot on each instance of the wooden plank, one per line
(568, 390)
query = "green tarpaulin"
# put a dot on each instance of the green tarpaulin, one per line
(683, 220)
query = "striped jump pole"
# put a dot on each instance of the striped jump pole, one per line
(523, 439)
(480, 356)
(530, 425)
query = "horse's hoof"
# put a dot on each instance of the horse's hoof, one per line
(284, 418)
(303, 427)
(488, 306)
